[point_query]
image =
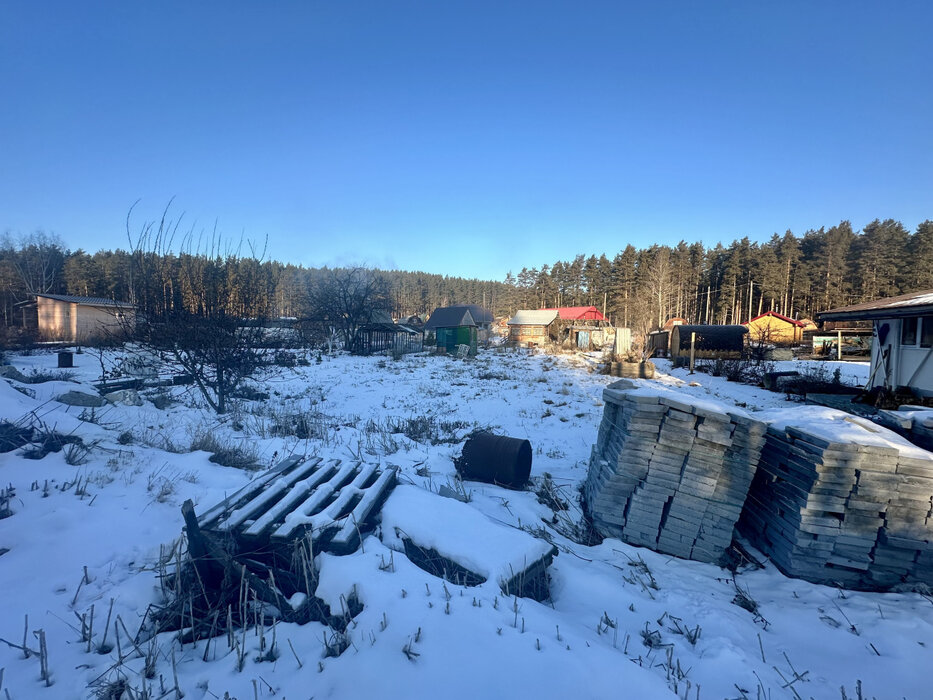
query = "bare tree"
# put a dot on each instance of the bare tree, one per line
(659, 284)
(37, 258)
(346, 298)
(196, 308)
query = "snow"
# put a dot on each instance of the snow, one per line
(459, 533)
(697, 403)
(839, 427)
(914, 301)
(462, 642)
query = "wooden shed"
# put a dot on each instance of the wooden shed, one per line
(659, 343)
(482, 317)
(453, 326)
(531, 327)
(78, 319)
(776, 329)
(712, 342)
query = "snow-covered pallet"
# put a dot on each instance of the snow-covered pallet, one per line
(332, 501)
(843, 501)
(669, 472)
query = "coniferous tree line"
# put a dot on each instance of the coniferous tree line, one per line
(793, 275)
(638, 287)
(158, 281)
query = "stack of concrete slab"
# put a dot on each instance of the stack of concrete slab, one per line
(670, 472)
(840, 500)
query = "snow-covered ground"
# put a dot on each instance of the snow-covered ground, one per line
(621, 621)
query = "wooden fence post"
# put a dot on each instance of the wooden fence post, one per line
(693, 342)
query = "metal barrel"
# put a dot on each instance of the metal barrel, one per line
(496, 459)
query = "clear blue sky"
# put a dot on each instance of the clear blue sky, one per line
(464, 138)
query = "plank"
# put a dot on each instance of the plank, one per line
(244, 493)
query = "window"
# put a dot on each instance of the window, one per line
(926, 332)
(909, 331)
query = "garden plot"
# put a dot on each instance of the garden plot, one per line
(619, 619)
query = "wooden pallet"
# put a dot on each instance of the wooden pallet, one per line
(332, 501)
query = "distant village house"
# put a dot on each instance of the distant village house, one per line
(774, 328)
(531, 328)
(581, 326)
(77, 319)
(453, 326)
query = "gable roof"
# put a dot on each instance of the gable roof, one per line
(541, 317)
(449, 317)
(87, 301)
(913, 304)
(671, 322)
(378, 316)
(782, 317)
(578, 313)
(479, 314)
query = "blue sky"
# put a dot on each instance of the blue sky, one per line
(465, 138)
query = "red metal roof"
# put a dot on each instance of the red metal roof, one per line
(578, 313)
(775, 314)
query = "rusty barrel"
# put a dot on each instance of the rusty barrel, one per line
(496, 459)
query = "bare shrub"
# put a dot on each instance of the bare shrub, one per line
(424, 429)
(160, 486)
(40, 376)
(45, 440)
(77, 453)
(238, 457)
(6, 496)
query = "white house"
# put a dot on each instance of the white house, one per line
(902, 339)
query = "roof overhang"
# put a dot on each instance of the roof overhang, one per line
(903, 306)
(876, 314)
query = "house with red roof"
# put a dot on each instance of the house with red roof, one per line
(579, 326)
(578, 313)
(775, 328)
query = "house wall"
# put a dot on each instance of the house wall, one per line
(909, 365)
(63, 320)
(528, 334)
(450, 338)
(56, 319)
(773, 330)
(96, 321)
